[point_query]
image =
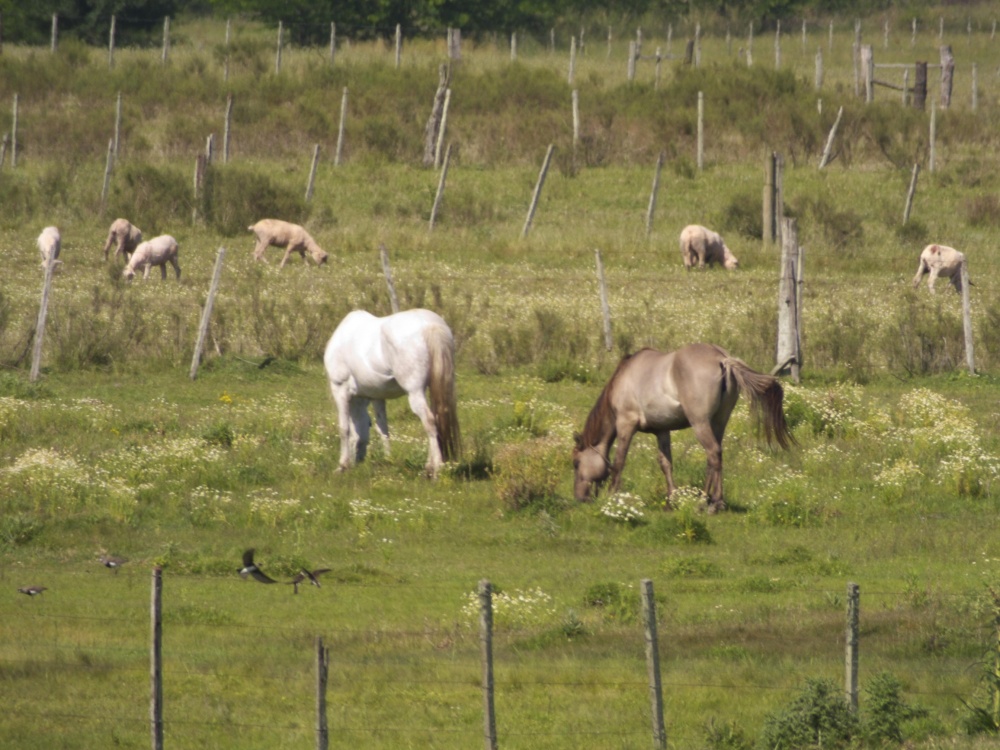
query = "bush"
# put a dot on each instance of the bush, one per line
(154, 197)
(235, 197)
(885, 710)
(527, 475)
(818, 717)
(615, 601)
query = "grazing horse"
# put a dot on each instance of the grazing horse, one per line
(697, 387)
(369, 360)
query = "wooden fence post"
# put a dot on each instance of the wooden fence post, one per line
(387, 272)
(653, 663)
(312, 173)
(3, 148)
(486, 657)
(322, 670)
(947, 75)
(156, 660)
(777, 46)
(108, 167)
(225, 63)
(118, 122)
(513, 47)
(630, 69)
(277, 53)
(605, 307)
(538, 191)
(572, 59)
(920, 85)
(701, 130)
(36, 356)
(975, 87)
(910, 193)
(333, 43)
(54, 43)
(789, 353)
(228, 127)
(651, 209)
(576, 121)
(868, 70)
(441, 130)
(13, 136)
(340, 128)
(851, 651)
(770, 228)
(166, 39)
(819, 68)
(933, 138)
(206, 314)
(440, 188)
(970, 357)
(829, 139)
(111, 44)
(399, 45)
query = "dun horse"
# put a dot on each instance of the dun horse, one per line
(369, 360)
(697, 387)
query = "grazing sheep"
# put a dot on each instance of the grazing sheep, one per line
(292, 237)
(49, 243)
(940, 260)
(155, 252)
(700, 245)
(125, 236)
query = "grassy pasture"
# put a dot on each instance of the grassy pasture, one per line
(893, 485)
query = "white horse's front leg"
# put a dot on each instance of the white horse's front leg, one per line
(418, 403)
(381, 424)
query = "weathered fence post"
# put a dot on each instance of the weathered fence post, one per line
(399, 45)
(829, 139)
(947, 75)
(199, 178)
(819, 68)
(576, 121)
(486, 657)
(868, 70)
(970, 358)
(770, 189)
(572, 60)
(538, 191)
(322, 671)
(108, 167)
(333, 43)
(225, 64)
(434, 121)
(919, 84)
(777, 46)
(13, 136)
(156, 660)
(975, 87)
(166, 40)
(851, 651)
(789, 351)
(312, 173)
(54, 43)
(653, 663)
(605, 307)
(206, 314)
(4, 142)
(228, 127)
(43, 310)
(651, 210)
(442, 129)
(933, 138)
(701, 130)
(513, 47)
(440, 188)
(340, 128)
(910, 193)
(387, 272)
(111, 44)
(118, 122)
(277, 53)
(630, 69)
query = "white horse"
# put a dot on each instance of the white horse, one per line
(369, 360)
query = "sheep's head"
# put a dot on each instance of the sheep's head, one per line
(128, 273)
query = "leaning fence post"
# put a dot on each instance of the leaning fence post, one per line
(36, 356)
(118, 122)
(322, 670)
(166, 40)
(312, 173)
(442, 128)
(206, 314)
(156, 660)
(228, 128)
(340, 128)
(829, 139)
(387, 272)
(538, 191)
(851, 655)
(605, 307)
(970, 359)
(111, 43)
(701, 130)
(486, 655)
(108, 167)
(653, 663)
(440, 189)
(910, 193)
(651, 210)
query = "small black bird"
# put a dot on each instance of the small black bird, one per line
(250, 569)
(313, 578)
(32, 590)
(109, 561)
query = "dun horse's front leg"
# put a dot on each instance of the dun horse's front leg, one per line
(621, 453)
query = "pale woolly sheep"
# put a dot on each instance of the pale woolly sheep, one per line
(292, 237)
(49, 244)
(701, 246)
(125, 236)
(155, 252)
(940, 260)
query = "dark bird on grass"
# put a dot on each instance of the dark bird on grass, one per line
(32, 590)
(250, 569)
(109, 561)
(305, 575)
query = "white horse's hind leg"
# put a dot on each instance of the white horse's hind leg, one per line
(360, 428)
(381, 424)
(343, 403)
(418, 403)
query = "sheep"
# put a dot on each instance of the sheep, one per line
(292, 237)
(49, 244)
(125, 236)
(940, 260)
(155, 252)
(700, 245)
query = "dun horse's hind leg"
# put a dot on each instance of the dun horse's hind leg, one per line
(666, 462)
(713, 471)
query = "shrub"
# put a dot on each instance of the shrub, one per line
(527, 475)
(161, 196)
(615, 601)
(232, 194)
(818, 717)
(885, 710)
(925, 336)
(744, 214)
(983, 211)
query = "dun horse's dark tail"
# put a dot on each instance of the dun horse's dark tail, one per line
(766, 397)
(442, 392)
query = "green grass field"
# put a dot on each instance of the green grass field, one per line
(115, 450)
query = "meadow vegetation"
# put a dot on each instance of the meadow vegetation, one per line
(893, 484)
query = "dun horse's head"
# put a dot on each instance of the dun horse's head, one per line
(590, 468)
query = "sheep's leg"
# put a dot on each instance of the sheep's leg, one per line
(145, 272)
(258, 251)
(163, 271)
(932, 278)
(284, 260)
(177, 268)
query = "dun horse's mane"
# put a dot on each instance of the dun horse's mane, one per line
(603, 412)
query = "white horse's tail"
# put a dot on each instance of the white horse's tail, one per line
(442, 391)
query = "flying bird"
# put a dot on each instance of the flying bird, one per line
(250, 569)
(113, 563)
(32, 590)
(312, 577)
